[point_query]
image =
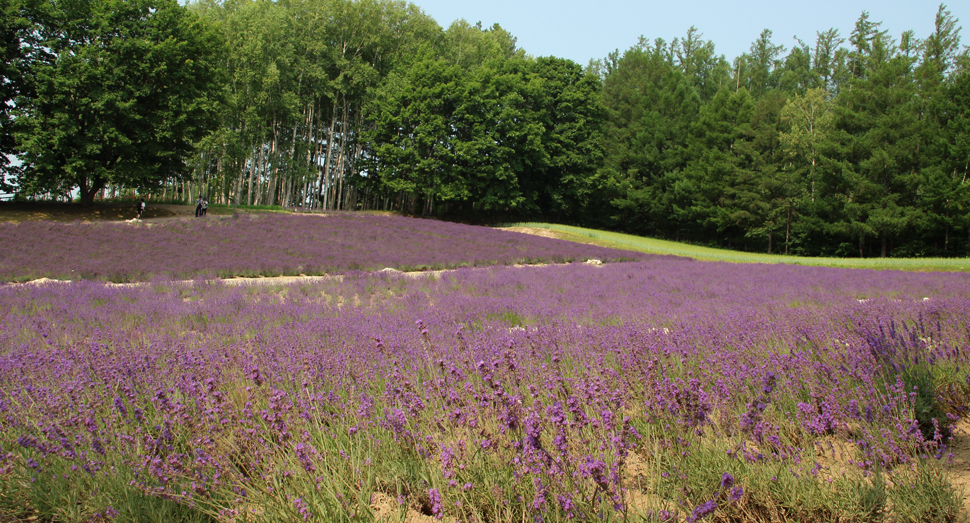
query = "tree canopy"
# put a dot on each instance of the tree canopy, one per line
(833, 150)
(846, 145)
(121, 95)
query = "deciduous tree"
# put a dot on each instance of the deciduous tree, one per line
(126, 92)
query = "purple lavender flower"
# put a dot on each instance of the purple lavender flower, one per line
(769, 384)
(702, 511)
(539, 501)
(396, 420)
(120, 405)
(566, 503)
(302, 508)
(435, 500)
(596, 469)
(560, 374)
(727, 481)
(340, 243)
(27, 442)
(304, 453)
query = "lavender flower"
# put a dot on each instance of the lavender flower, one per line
(211, 392)
(702, 511)
(435, 500)
(302, 508)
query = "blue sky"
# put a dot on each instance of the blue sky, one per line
(580, 30)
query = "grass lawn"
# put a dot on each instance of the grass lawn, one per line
(654, 246)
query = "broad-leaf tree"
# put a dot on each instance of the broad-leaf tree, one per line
(127, 90)
(18, 48)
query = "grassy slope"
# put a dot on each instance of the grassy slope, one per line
(653, 246)
(17, 212)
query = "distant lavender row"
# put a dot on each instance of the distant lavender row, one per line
(252, 245)
(665, 390)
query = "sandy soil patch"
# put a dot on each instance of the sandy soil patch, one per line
(387, 509)
(960, 467)
(535, 231)
(549, 233)
(303, 278)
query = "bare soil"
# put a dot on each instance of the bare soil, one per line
(535, 231)
(549, 233)
(960, 466)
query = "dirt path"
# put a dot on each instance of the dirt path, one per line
(535, 231)
(556, 235)
(177, 211)
(303, 278)
(960, 467)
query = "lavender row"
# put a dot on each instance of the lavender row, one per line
(252, 245)
(667, 390)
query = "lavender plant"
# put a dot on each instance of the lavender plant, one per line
(268, 244)
(666, 390)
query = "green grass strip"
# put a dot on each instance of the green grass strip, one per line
(655, 246)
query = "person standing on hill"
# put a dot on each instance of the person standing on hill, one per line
(205, 207)
(141, 207)
(198, 207)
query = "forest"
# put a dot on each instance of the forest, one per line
(851, 145)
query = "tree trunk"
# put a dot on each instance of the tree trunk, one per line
(254, 167)
(87, 193)
(313, 159)
(239, 183)
(946, 241)
(339, 185)
(274, 172)
(326, 160)
(788, 230)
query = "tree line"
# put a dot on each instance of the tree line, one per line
(854, 146)
(849, 145)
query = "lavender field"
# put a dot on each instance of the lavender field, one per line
(267, 244)
(659, 390)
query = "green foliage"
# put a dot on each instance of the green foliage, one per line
(56, 490)
(16, 41)
(506, 135)
(843, 146)
(660, 246)
(923, 495)
(122, 98)
(920, 379)
(844, 151)
(651, 105)
(685, 469)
